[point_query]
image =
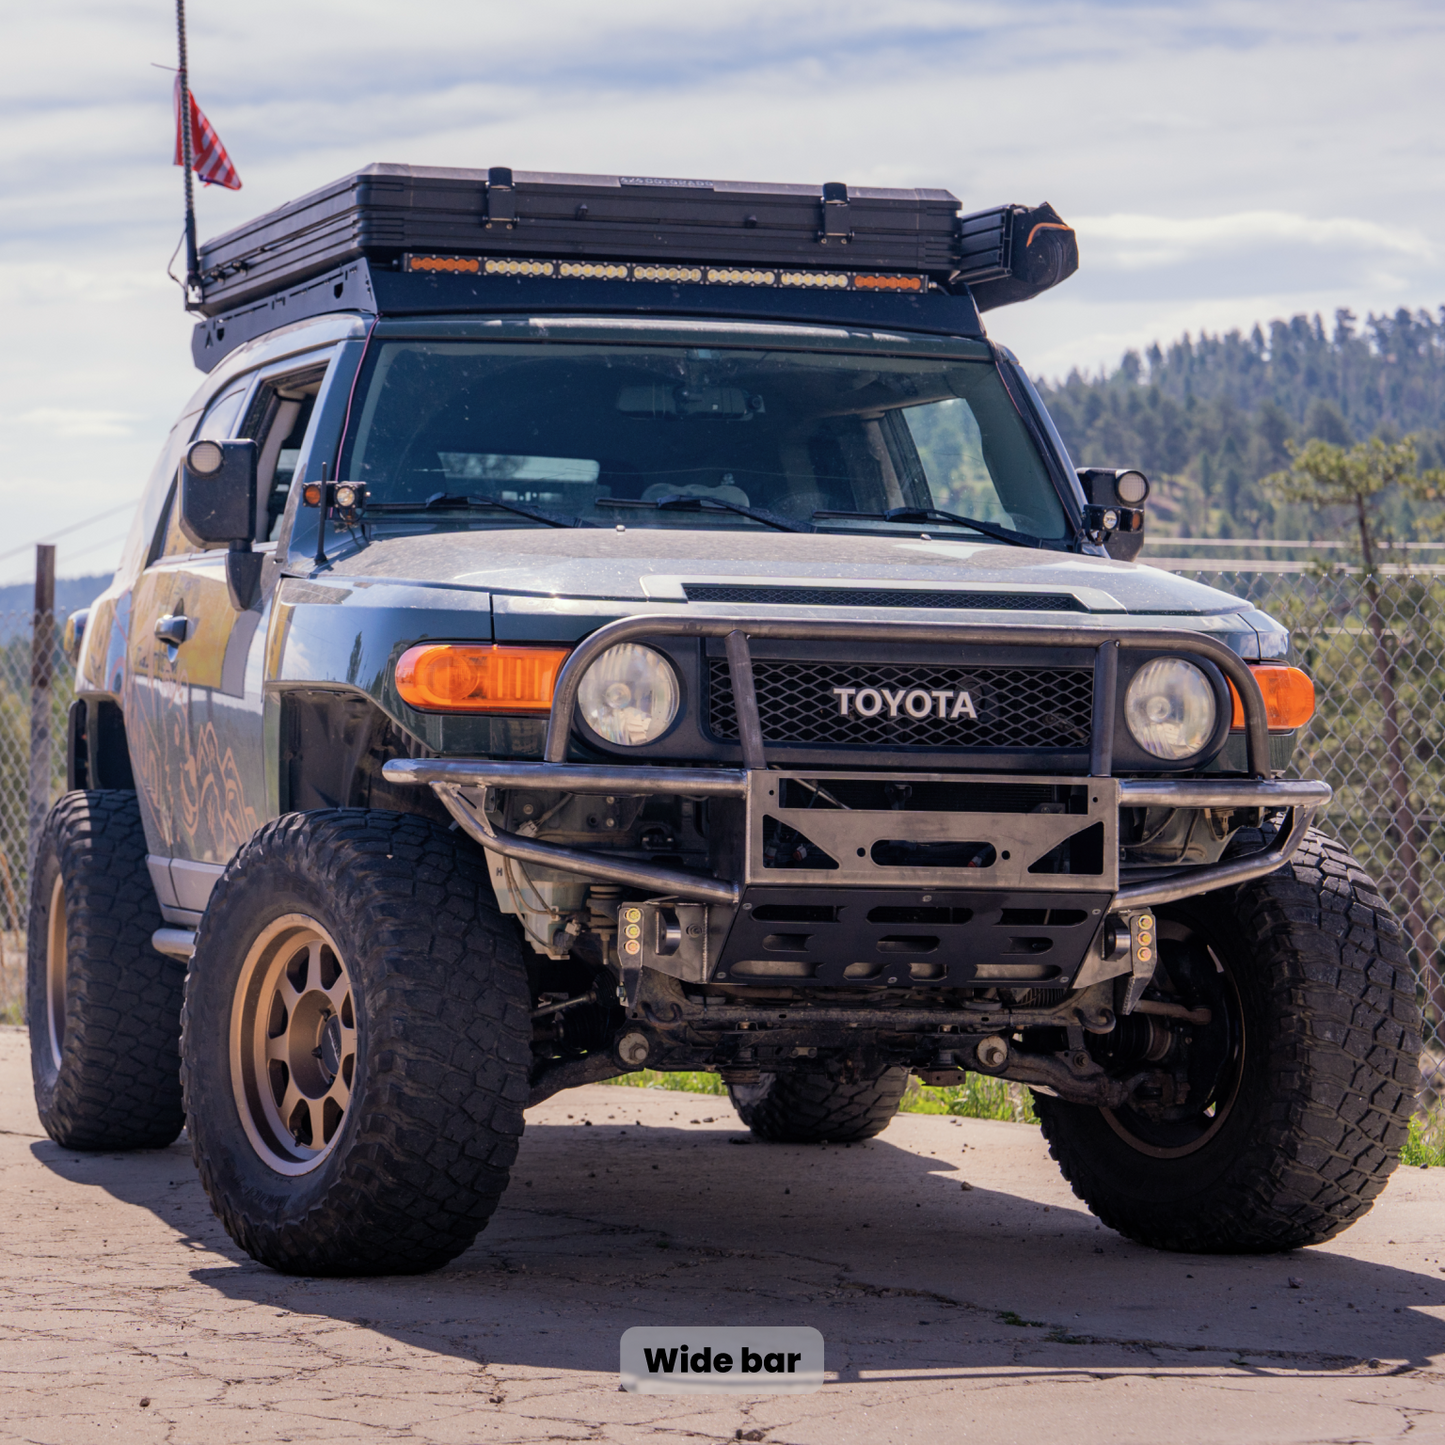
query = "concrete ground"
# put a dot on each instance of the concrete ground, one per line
(962, 1291)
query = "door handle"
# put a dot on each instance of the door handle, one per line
(173, 629)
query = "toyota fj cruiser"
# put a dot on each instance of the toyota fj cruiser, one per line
(585, 623)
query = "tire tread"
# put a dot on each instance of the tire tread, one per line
(450, 1021)
(1343, 1069)
(118, 1085)
(814, 1108)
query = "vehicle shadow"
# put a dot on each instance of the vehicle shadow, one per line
(891, 1253)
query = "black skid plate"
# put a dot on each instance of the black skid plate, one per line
(836, 938)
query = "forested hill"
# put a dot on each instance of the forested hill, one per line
(1207, 418)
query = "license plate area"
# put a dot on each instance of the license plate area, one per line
(950, 831)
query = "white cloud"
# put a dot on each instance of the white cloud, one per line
(1136, 241)
(62, 421)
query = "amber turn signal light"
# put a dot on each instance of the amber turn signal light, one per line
(478, 677)
(1289, 698)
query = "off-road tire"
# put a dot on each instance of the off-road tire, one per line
(105, 1029)
(442, 1045)
(815, 1109)
(1328, 1080)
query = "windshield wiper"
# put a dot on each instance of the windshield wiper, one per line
(930, 514)
(678, 502)
(454, 502)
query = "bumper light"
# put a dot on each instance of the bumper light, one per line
(629, 695)
(1289, 698)
(1169, 708)
(478, 677)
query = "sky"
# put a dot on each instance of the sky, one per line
(1223, 163)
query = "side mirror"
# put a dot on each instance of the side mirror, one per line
(73, 634)
(1115, 514)
(218, 509)
(218, 493)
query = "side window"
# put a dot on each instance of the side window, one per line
(278, 417)
(220, 419)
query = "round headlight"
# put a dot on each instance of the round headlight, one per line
(1170, 708)
(629, 695)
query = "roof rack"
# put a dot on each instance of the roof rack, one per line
(643, 229)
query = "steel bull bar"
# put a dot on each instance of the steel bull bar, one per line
(450, 778)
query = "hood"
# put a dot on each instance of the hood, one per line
(642, 565)
(347, 622)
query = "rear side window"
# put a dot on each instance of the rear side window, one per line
(278, 418)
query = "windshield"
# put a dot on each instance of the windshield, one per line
(603, 433)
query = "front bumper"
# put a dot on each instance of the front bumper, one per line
(1018, 841)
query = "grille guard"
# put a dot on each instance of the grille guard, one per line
(737, 630)
(455, 780)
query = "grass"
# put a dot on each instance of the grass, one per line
(12, 978)
(982, 1097)
(1424, 1145)
(687, 1083)
(978, 1097)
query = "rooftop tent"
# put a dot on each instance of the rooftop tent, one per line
(854, 254)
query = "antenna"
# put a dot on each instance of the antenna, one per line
(321, 520)
(194, 292)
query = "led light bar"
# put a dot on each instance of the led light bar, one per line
(776, 277)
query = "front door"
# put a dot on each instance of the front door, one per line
(219, 790)
(155, 689)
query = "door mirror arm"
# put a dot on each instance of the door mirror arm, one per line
(243, 575)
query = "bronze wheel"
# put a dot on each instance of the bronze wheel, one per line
(293, 1043)
(55, 970)
(357, 1042)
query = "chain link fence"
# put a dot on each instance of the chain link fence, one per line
(1375, 647)
(31, 778)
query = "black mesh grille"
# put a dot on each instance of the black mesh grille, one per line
(1017, 707)
(883, 597)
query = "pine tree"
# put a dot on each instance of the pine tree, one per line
(1208, 417)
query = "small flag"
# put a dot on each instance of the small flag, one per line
(208, 156)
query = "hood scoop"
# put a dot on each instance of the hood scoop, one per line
(883, 597)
